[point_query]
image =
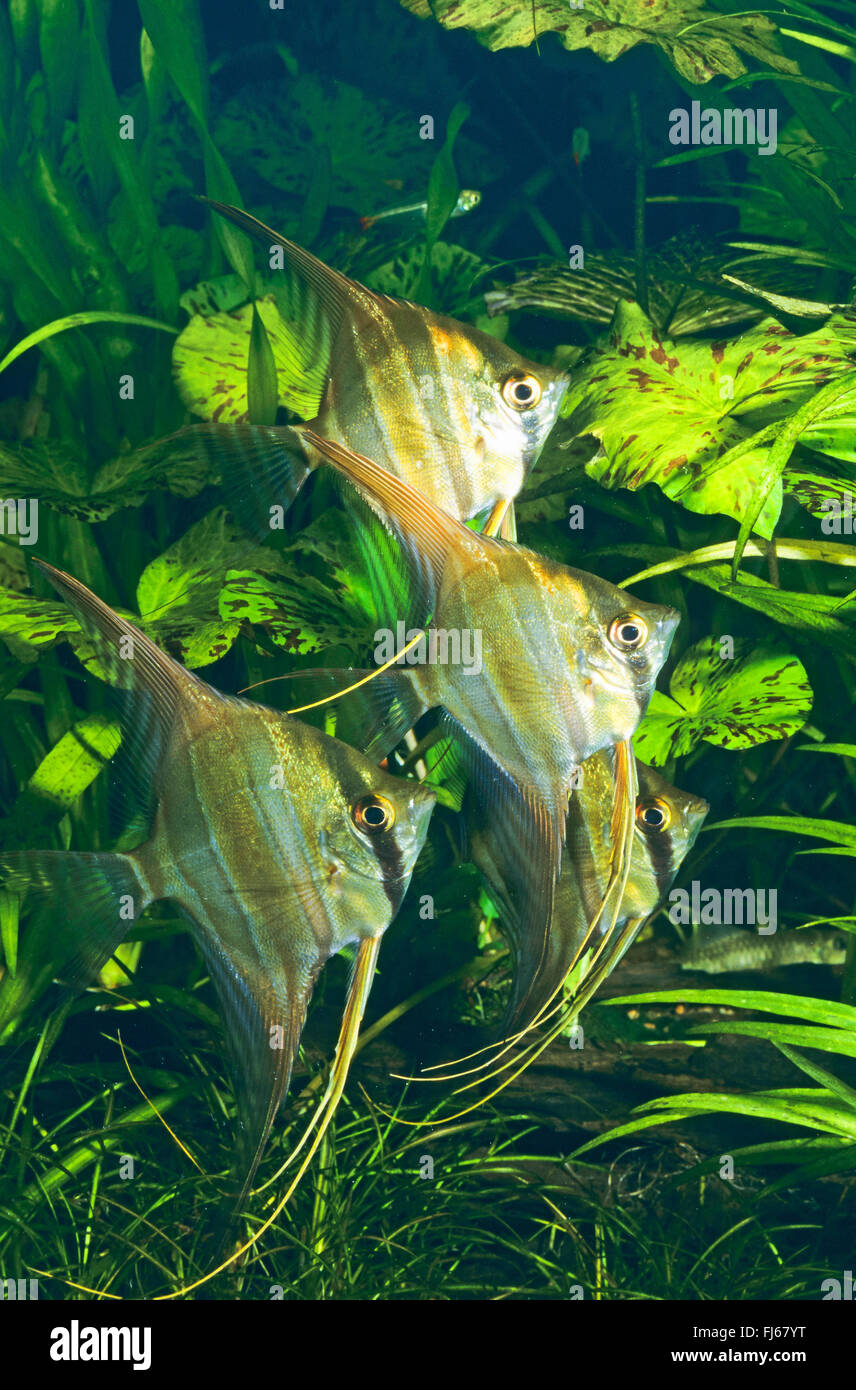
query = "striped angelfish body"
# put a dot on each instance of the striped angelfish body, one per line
(436, 402)
(557, 683)
(254, 837)
(422, 395)
(280, 844)
(667, 822)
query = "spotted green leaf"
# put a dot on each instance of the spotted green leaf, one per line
(752, 697)
(210, 362)
(178, 592)
(699, 43)
(685, 414)
(298, 612)
(55, 474)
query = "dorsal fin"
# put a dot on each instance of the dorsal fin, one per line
(151, 682)
(428, 535)
(333, 289)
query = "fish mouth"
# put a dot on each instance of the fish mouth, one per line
(614, 687)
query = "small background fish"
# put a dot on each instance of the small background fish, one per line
(716, 950)
(468, 199)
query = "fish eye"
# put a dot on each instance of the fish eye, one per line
(521, 391)
(628, 633)
(373, 814)
(654, 814)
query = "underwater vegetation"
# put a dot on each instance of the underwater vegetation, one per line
(427, 444)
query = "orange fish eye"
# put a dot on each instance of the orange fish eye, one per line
(521, 391)
(373, 814)
(654, 814)
(628, 633)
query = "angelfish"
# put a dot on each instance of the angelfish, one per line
(280, 844)
(437, 403)
(667, 822)
(568, 662)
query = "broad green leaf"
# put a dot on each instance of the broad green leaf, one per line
(298, 612)
(733, 702)
(276, 129)
(53, 473)
(177, 594)
(686, 292)
(823, 493)
(699, 43)
(456, 277)
(669, 412)
(76, 760)
(210, 363)
(62, 776)
(214, 296)
(28, 624)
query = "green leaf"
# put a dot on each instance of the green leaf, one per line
(822, 1011)
(455, 276)
(178, 593)
(822, 617)
(824, 1039)
(79, 320)
(833, 830)
(59, 45)
(669, 412)
(211, 355)
(28, 624)
(9, 908)
(827, 552)
(699, 43)
(53, 472)
(443, 192)
(369, 140)
(297, 611)
(62, 776)
(811, 412)
(755, 696)
(261, 374)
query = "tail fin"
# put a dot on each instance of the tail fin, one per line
(84, 904)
